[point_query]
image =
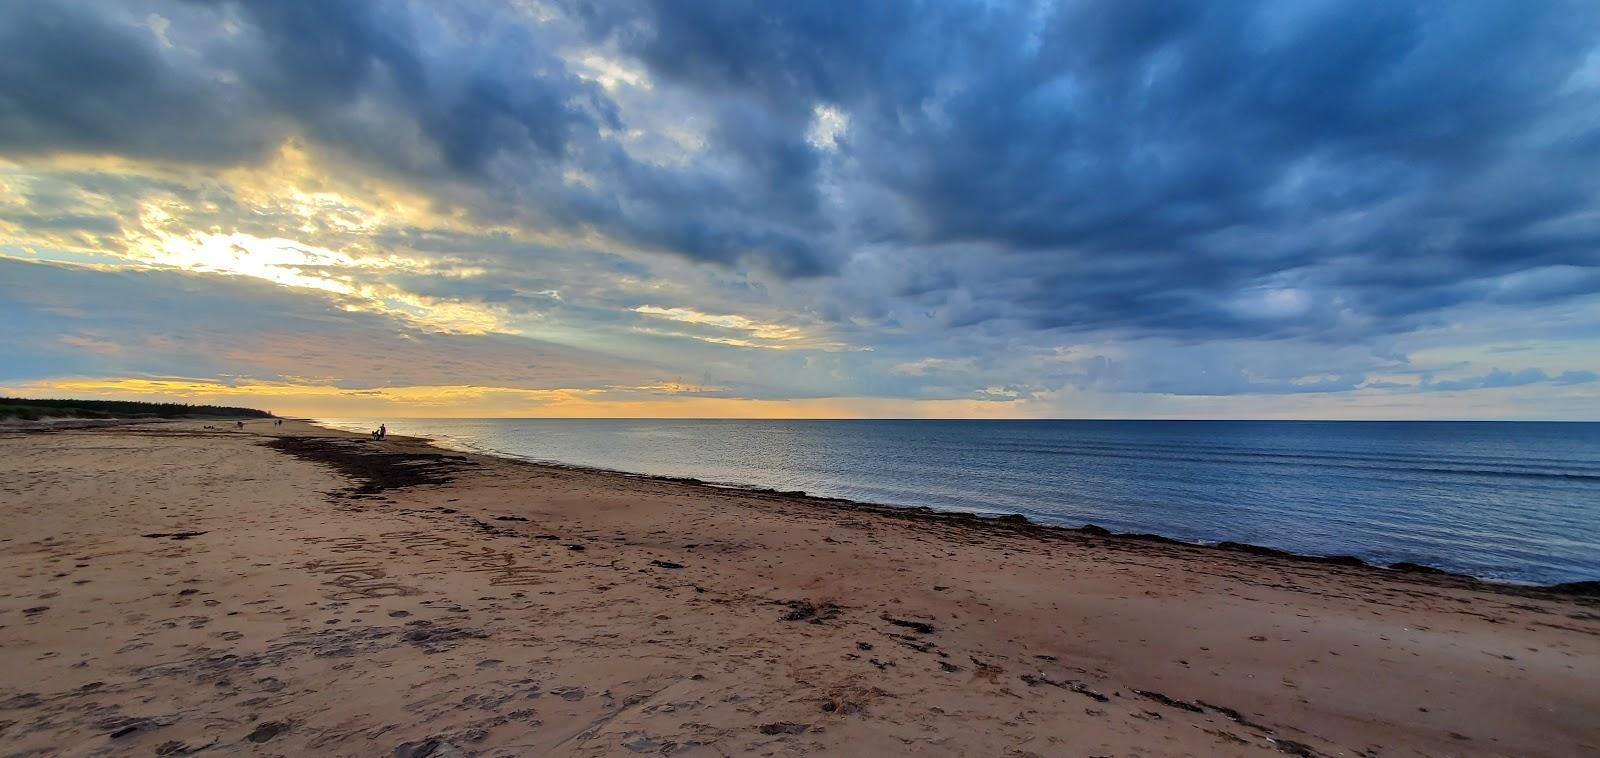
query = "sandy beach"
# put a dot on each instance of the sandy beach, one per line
(174, 588)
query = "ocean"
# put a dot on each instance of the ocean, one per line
(1508, 501)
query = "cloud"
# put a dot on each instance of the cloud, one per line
(1106, 167)
(69, 320)
(930, 200)
(471, 103)
(1575, 377)
(1149, 170)
(80, 77)
(1499, 379)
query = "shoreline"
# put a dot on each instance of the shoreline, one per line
(295, 590)
(1580, 587)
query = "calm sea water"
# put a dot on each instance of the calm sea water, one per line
(1509, 501)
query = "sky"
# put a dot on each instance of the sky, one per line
(1315, 209)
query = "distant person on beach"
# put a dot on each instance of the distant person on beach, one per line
(239, 424)
(383, 431)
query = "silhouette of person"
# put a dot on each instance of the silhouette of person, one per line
(383, 431)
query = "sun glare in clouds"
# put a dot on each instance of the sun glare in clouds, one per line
(297, 264)
(169, 233)
(276, 259)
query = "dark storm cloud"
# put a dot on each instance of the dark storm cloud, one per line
(1146, 166)
(316, 59)
(1190, 170)
(78, 78)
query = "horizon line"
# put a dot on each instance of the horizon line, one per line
(956, 418)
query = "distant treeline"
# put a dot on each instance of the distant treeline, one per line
(30, 409)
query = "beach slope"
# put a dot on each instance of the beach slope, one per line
(178, 587)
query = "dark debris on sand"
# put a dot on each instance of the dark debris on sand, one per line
(784, 727)
(920, 627)
(801, 610)
(374, 468)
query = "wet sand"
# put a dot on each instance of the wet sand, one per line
(172, 589)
